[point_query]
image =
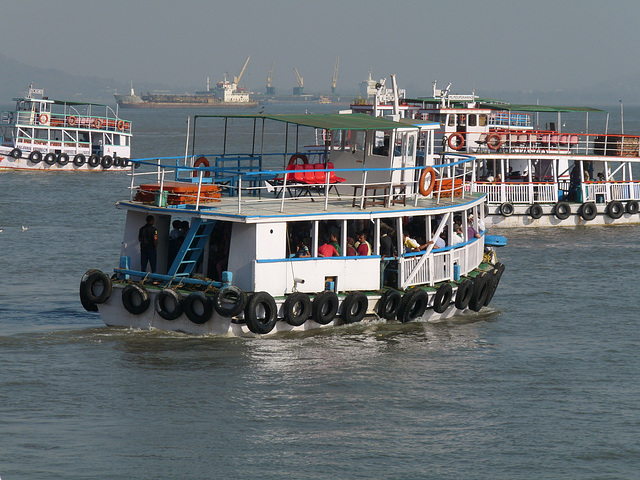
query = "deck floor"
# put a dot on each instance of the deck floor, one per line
(271, 206)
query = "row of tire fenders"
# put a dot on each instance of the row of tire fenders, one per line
(261, 312)
(78, 160)
(588, 210)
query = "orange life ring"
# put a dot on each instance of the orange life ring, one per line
(43, 118)
(201, 161)
(97, 123)
(297, 156)
(120, 125)
(494, 141)
(432, 181)
(72, 120)
(460, 142)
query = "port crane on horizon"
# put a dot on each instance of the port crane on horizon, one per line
(300, 88)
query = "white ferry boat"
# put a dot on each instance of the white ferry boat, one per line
(534, 173)
(268, 230)
(55, 135)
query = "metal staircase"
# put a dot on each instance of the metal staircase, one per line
(191, 249)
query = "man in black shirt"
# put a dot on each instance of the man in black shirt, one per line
(387, 252)
(148, 238)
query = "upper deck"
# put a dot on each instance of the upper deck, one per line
(364, 167)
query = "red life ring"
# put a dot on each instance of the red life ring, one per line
(494, 142)
(43, 118)
(458, 144)
(297, 156)
(71, 120)
(201, 161)
(120, 125)
(432, 181)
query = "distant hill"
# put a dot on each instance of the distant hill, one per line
(15, 78)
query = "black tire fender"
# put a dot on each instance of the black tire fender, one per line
(535, 211)
(169, 304)
(615, 209)
(413, 305)
(506, 209)
(63, 159)
(198, 308)
(229, 301)
(16, 153)
(106, 162)
(442, 298)
(35, 156)
(481, 287)
(79, 160)
(495, 275)
(562, 210)
(296, 309)
(95, 288)
(94, 160)
(389, 304)
(588, 211)
(354, 307)
(464, 294)
(50, 158)
(261, 313)
(135, 298)
(633, 207)
(324, 307)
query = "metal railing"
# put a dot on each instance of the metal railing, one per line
(250, 185)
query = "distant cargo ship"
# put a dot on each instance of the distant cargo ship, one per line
(225, 94)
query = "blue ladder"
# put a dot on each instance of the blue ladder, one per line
(191, 249)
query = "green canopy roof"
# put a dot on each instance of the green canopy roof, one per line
(537, 108)
(512, 107)
(327, 121)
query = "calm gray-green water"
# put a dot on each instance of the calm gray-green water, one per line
(544, 384)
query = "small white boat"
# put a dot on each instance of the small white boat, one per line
(535, 173)
(56, 135)
(270, 222)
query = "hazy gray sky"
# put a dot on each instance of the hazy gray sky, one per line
(487, 44)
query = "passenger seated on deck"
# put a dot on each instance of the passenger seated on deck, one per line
(410, 244)
(363, 248)
(351, 248)
(600, 177)
(333, 240)
(457, 236)
(326, 249)
(471, 232)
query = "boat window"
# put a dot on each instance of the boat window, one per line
(482, 120)
(354, 230)
(381, 144)
(299, 239)
(452, 120)
(462, 120)
(330, 231)
(83, 137)
(41, 134)
(472, 120)
(411, 144)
